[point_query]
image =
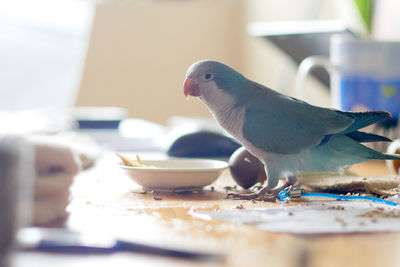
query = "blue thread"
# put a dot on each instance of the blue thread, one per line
(284, 195)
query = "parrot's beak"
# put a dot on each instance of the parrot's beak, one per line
(190, 87)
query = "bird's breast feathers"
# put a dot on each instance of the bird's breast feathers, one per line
(217, 100)
(223, 107)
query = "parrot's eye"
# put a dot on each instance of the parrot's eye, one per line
(208, 76)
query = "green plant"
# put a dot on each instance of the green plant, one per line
(365, 8)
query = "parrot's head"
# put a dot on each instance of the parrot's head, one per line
(213, 82)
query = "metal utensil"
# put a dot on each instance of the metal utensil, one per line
(71, 242)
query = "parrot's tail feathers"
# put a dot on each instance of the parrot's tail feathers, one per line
(340, 151)
(363, 137)
(351, 147)
(390, 156)
(363, 119)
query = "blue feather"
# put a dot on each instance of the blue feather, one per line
(363, 119)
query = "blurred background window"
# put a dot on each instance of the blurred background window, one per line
(133, 54)
(43, 46)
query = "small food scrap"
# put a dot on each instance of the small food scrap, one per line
(239, 207)
(341, 221)
(140, 191)
(128, 162)
(336, 208)
(125, 160)
(231, 188)
(157, 198)
(215, 207)
(381, 213)
(192, 209)
(350, 194)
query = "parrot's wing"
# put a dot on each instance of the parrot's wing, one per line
(285, 125)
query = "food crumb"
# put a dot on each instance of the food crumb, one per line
(215, 207)
(231, 188)
(141, 192)
(193, 209)
(336, 208)
(341, 221)
(239, 207)
(130, 163)
(381, 213)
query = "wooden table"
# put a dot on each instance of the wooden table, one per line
(106, 201)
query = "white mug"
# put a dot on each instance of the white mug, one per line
(364, 75)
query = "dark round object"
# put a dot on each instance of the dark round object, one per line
(246, 169)
(202, 144)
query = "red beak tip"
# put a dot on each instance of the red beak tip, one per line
(190, 88)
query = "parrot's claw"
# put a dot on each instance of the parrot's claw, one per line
(264, 194)
(254, 196)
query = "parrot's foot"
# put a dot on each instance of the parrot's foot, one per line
(264, 194)
(255, 196)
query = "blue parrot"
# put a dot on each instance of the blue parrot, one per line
(287, 135)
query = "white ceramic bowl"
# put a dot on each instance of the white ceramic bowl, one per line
(176, 174)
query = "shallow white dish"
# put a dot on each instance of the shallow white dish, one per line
(176, 174)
